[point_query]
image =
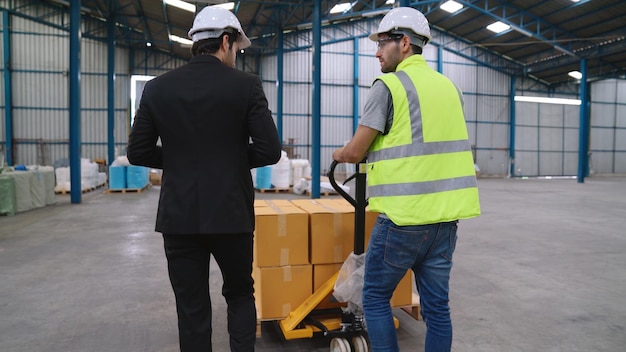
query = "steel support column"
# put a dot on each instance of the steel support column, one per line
(316, 100)
(440, 59)
(74, 103)
(512, 127)
(111, 89)
(355, 86)
(8, 85)
(583, 136)
(279, 82)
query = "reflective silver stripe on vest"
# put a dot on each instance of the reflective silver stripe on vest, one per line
(418, 147)
(426, 187)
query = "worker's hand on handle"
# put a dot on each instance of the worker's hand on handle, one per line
(357, 148)
(338, 155)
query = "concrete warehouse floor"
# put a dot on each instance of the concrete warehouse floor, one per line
(543, 269)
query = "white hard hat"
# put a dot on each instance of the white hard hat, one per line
(212, 21)
(403, 19)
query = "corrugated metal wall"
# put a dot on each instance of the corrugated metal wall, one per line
(608, 126)
(40, 88)
(486, 94)
(546, 136)
(40, 66)
(486, 107)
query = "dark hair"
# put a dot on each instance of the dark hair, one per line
(212, 45)
(416, 49)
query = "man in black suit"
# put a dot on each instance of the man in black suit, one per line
(214, 125)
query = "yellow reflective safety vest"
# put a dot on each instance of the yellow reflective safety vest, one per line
(422, 171)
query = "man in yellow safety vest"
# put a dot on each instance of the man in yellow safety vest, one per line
(421, 179)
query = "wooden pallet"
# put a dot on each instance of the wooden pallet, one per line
(322, 193)
(128, 190)
(82, 191)
(414, 309)
(274, 190)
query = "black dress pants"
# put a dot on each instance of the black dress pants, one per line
(188, 259)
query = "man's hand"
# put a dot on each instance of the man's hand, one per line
(355, 150)
(338, 155)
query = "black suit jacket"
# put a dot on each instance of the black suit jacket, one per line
(214, 125)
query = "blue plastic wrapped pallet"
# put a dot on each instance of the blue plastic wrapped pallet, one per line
(264, 177)
(117, 177)
(137, 176)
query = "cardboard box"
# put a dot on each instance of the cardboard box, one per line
(370, 218)
(259, 203)
(281, 234)
(156, 176)
(403, 294)
(321, 274)
(280, 290)
(331, 235)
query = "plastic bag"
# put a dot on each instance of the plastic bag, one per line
(349, 284)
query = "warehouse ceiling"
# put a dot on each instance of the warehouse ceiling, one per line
(546, 39)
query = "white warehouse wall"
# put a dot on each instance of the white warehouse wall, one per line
(608, 127)
(546, 137)
(486, 95)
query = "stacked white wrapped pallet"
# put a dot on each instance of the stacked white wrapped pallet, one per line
(89, 177)
(281, 172)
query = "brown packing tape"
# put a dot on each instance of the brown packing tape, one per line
(332, 210)
(286, 309)
(338, 253)
(281, 219)
(337, 222)
(287, 274)
(284, 256)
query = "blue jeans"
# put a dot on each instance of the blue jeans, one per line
(392, 250)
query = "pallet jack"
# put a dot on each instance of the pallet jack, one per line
(347, 331)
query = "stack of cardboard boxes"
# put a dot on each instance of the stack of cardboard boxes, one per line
(282, 272)
(299, 245)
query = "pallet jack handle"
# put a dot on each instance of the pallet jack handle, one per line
(359, 201)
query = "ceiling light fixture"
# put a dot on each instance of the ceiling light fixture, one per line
(498, 27)
(451, 6)
(390, 2)
(544, 100)
(181, 5)
(341, 8)
(180, 40)
(575, 74)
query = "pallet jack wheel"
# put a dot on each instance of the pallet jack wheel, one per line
(360, 344)
(339, 344)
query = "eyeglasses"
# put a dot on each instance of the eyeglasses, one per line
(383, 41)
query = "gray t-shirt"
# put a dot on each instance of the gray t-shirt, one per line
(378, 110)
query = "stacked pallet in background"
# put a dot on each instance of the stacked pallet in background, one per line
(90, 177)
(128, 178)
